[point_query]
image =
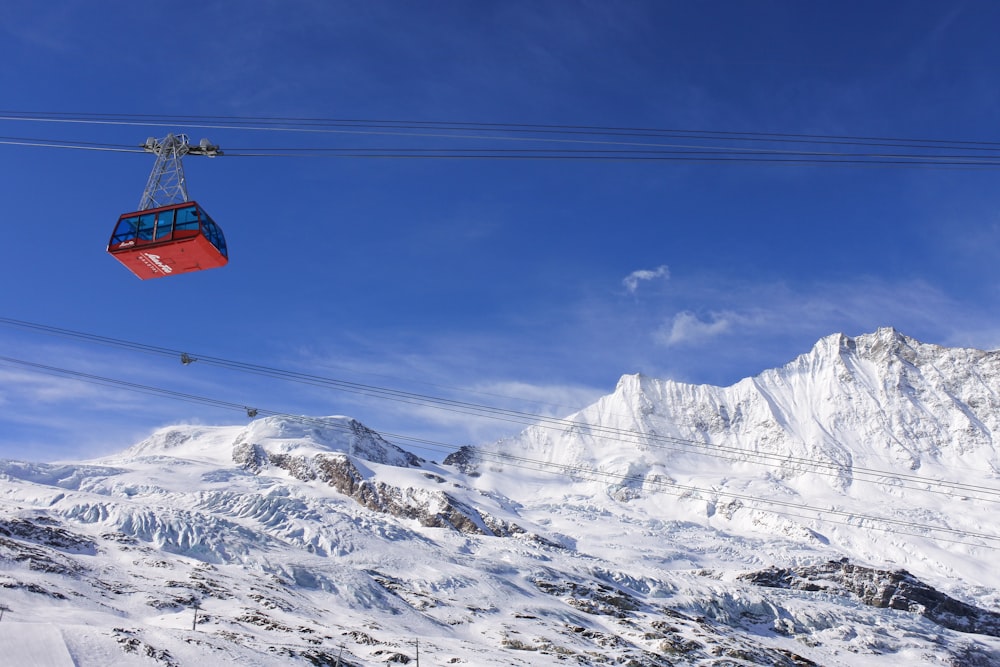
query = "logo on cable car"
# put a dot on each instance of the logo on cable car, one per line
(154, 262)
(126, 244)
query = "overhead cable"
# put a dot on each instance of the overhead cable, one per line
(701, 146)
(295, 123)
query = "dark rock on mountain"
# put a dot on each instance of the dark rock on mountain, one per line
(882, 588)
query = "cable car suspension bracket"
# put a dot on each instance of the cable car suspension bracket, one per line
(167, 184)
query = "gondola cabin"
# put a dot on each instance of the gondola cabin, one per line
(168, 240)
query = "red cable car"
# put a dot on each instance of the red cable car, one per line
(168, 240)
(169, 234)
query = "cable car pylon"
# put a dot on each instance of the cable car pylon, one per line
(166, 183)
(169, 234)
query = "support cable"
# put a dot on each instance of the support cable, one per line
(761, 148)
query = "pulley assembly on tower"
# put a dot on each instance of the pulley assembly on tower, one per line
(169, 234)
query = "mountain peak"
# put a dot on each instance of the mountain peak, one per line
(881, 340)
(284, 435)
(884, 351)
(184, 441)
(881, 400)
(308, 436)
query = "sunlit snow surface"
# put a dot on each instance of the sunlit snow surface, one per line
(623, 536)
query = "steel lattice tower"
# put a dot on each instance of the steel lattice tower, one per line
(166, 183)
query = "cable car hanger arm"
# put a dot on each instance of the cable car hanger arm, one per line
(166, 184)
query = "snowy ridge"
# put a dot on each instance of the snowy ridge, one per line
(655, 539)
(877, 399)
(877, 426)
(306, 436)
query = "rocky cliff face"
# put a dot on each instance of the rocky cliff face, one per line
(432, 508)
(890, 589)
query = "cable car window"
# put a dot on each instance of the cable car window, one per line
(214, 235)
(146, 223)
(126, 229)
(187, 218)
(164, 224)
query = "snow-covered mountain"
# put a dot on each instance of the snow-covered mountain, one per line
(895, 442)
(835, 511)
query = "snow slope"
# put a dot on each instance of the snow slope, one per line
(36, 644)
(881, 426)
(763, 523)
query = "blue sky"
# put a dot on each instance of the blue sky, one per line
(528, 284)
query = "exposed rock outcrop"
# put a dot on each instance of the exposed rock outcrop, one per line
(436, 509)
(882, 588)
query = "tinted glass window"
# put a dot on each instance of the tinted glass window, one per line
(126, 229)
(164, 223)
(146, 224)
(187, 218)
(214, 234)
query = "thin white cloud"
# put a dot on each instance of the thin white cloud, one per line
(550, 400)
(57, 417)
(762, 315)
(455, 371)
(40, 389)
(632, 280)
(686, 327)
(708, 328)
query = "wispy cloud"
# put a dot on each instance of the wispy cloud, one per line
(718, 328)
(707, 328)
(452, 369)
(51, 413)
(729, 329)
(687, 327)
(632, 280)
(550, 400)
